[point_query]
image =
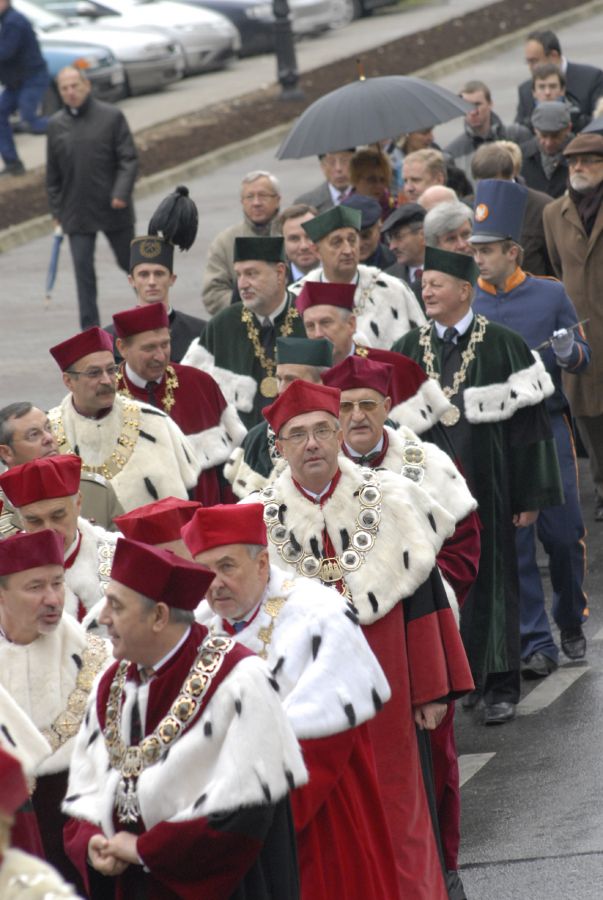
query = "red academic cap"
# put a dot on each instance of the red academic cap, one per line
(42, 479)
(24, 551)
(359, 372)
(92, 340)
(160, 574)
(301, 397)
(13, 786)
(323, 293)
(157, 523)
(140, 318)
(217, 526)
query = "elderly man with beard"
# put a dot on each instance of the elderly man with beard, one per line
(47, 665)
(46, 494)
(134, 445)
(26, 434)
(384, 306)
(373, 536)
(573, 226)
(238, 345)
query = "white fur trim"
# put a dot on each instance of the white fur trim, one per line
(240, 390)
(441, 478)
(225, 759)
(386, 308)
(244, 479)
(25, 877)
(168, 460)
(19, 736)
(423, 410)
(40, 677)
(412, 530)
(214, 445)
(453, 602)
(318, 655)
(497, 402)
(83, 581)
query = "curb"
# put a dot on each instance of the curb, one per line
(20, 234)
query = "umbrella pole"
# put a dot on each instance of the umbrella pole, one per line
(286, 62)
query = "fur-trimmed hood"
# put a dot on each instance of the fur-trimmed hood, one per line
(411, 532)
(423, 410)
(19, 736)
(385, 307)
(214, 446)
(89, 574)
(240, 390)
(328, 677)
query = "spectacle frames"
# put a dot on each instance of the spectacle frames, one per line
(95, 374)
(321, 434)
(366, 406)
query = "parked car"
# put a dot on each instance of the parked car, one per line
(105, 73)
(150, 60)
(208, 39)
(254, 19)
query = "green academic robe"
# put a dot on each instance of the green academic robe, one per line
(505, 448)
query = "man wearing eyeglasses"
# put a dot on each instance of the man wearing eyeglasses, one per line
(374, 537)
(260, 199)
(573, 227)
(137, 447)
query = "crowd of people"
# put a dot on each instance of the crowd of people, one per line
(248, 564)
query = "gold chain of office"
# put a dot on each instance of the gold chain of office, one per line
(268, 384)
(467, 357)
(171, 384)
(131, 761)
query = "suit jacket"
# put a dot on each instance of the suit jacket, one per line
(320, 198)
(534, 174)
(535, 254)
(578, 261)
(583, 83)
(399, 270)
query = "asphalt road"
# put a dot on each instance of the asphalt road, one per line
(532, 811)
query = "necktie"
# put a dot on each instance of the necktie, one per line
(417, 277)
(238, 626)
(267, 336)
(450, 357)
(151, 387)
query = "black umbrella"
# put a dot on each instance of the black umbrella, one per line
(595, 125)
(370, 110)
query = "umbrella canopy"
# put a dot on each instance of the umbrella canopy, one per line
(370, 110)
(595, 125)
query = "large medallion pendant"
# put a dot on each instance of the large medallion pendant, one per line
(450, 417)
(126, 802)
(269, 387)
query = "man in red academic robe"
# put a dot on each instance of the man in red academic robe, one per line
(369, 441)
(374, 537)
(330, 685)
(179, 783)
(189, 396)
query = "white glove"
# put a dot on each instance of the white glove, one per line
(563, 343)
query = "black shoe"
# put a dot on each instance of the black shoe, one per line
(456, 891)
(538, 665)
(14, 168)
(471, 700)
(498, 713)
(599, 509)
(573, 643)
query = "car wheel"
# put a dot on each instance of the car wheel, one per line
(52, 101)
(345, 11)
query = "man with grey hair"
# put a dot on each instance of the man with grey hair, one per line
(448, 226)
(260, 199)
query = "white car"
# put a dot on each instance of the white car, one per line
(150, 60)
(208, 39)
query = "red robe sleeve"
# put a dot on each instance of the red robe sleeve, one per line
(459, 556)
(76, 837)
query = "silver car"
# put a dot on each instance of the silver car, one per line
(208, 39)
(150, 60)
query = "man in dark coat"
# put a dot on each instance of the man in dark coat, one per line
(24, 74)
(336, 169)
(90, 173)
(544, 167)
(583, 83)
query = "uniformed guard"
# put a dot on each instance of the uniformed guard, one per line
(540, 310)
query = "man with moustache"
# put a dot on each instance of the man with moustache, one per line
(573, 226)
(26, 434)
(135, 446)
(47, 665)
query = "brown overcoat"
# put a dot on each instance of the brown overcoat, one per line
(578, 262)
